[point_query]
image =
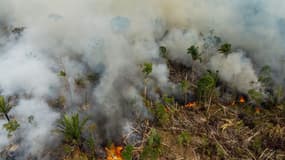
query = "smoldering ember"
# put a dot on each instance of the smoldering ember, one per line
(142, 80)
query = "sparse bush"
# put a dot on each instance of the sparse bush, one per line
(184, 138)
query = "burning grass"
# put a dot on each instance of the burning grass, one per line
(114, 152)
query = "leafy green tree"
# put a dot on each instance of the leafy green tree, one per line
(194, 52)
(5, 107)
(256, 96)
(72, 127)
(225, 48)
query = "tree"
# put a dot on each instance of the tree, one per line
(11, 125)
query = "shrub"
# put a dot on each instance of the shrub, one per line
(161, 114)
(127, 152)
(11, 126)
(184, 138)
(147, 68)
(152, 149)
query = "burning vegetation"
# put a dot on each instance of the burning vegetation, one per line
(114, 152)
(75, 85)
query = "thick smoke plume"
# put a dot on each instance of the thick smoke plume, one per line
(112, 39)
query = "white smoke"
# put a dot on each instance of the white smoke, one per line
(235, 69)
(37, 121)
(112, 39)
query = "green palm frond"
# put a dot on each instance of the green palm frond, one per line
(72, 127)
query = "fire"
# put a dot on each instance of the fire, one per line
(257, 110)
(241, 100)
(191, 105)
(114, 153)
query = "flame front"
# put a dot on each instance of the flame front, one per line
(191, 105)
(114, 153)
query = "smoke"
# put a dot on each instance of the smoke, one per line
(235, 69)
(112, 39)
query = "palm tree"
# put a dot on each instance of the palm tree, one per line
(194, 51)
(146, 69)
(225, 48)
(5, 107)
(72, 127)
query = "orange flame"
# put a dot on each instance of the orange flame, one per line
(241, 100)
(114, 153)
(191, 105)
(257, 110)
